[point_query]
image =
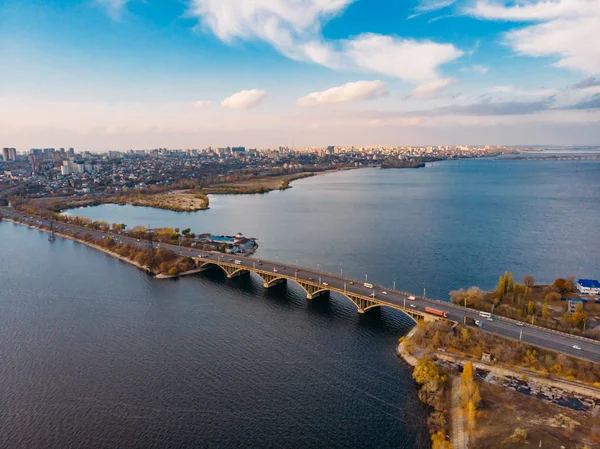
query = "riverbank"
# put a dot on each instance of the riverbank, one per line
(264, 184)
(83, 242)
(546, 405)
(168, 265)
(543, 305)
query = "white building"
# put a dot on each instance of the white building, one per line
(588, 286)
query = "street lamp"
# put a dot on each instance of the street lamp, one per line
(341, 271)
(317, 266)
(365, 277)
(394, 285)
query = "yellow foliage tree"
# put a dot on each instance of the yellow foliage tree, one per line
(438, 441)
(470, 414)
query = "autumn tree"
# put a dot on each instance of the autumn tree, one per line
(530, 308)
(438, 441)
(470, 414)
(469, 391)
(561, 285)
(528, 280)
(511, 283)
(427, 375)
(545, 309)
(501, 288)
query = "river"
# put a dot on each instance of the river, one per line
(97, 354)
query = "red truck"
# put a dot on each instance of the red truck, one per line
(436, 312)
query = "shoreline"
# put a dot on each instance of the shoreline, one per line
(106, 251)
(209, 191)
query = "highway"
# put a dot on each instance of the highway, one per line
(545, 338)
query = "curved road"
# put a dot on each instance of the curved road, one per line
(545, 338)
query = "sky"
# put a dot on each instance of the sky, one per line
(120, 74)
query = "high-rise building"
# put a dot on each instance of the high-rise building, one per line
(9, 154)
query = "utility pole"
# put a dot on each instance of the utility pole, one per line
(520, 334)
(394, 285)
(424, 295)
(150, 248)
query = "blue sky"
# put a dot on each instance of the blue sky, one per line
(103, 74)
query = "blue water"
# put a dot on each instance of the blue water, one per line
(96, 354)
(453, 225)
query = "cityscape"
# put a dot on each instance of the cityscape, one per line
(51, 171)
(300, 224)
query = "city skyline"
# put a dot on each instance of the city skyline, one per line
(119, 74)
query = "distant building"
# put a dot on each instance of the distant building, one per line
(588, 286)
(573, 303)
(238, 149)
(70, 167)
(9, 154)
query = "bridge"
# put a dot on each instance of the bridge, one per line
(315, 284)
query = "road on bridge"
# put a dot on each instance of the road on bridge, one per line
(545, 338)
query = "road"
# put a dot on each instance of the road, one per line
(545, 338)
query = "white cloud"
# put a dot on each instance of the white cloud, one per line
(293, 27)
(202, 104)
(433, 5)
(359, 90)
(520, 92)
(114, 8)
(564, 30)
(244, 99)
(479, 69)
(430, 90)
(407, 59)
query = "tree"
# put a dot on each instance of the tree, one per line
(469, 391)
(438, 441)
(511, 283)
(528, 280)
(501, 288)
(560, 284)
(428, 376)
(545, 309)
(579, 319)
(552, 296)
(530, 308)
(470, 413)
(467, 373)
(465, 334)
(425, 370)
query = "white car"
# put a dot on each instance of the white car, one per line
(519, 324)
(385, 293)
(489, 319)
(413, 306)
(325, 283)
(576, 347)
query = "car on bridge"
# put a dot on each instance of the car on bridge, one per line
(325, 283)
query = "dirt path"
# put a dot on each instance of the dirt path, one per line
(458, 436)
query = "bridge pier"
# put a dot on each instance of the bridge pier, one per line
(274, 282)
(317, 294)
